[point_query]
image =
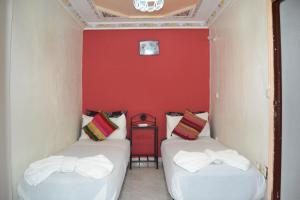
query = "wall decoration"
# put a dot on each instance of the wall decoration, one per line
(149, 48)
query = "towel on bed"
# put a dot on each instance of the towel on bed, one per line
(229, 157)
(94, 167)
(68, 164)
(194, 161)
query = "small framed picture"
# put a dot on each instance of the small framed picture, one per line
(149, 48)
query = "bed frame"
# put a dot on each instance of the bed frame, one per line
(181, 113)
(110, 114)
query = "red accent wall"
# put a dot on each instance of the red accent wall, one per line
(116, 77)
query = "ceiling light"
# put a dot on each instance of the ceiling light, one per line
(148, 5)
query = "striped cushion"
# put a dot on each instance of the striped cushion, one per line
(100, 127)
(189, 126)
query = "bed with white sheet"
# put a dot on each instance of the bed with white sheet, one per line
(214, 182)
(72, 186)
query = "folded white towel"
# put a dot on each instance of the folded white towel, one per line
(68, 164)
(94, 167)
(40, 170)
(230, 157)
(193, 161)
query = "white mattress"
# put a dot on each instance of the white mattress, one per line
(72, 186)
(215, 182)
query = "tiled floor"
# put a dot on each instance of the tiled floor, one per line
(145, 184)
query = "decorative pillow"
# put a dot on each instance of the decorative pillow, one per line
(173, 120)
(100, 127)
(119, 133)
(189, 126)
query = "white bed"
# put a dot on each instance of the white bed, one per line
(215, 182)
(72, 186)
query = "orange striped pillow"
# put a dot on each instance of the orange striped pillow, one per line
(189, 126)
(100, 127)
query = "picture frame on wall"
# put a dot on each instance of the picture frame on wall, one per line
(149, 48)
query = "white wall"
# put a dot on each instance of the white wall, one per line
(45, 82)
(290, 39)
(239, 75)
(5, 189)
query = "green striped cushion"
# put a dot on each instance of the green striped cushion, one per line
(100, 127)
(189, 126)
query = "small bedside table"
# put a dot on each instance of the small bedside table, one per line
(144, 121)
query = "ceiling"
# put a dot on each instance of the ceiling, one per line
(125, 8)
(121, 14)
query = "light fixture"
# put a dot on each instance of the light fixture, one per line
(148, 5)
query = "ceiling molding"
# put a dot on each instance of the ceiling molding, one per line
(196, 9)
(217, 12)
(84, 10)
(186, 13)
(147, 25)
(149, 20)
(108, 15)
(206, 8)
(68, 7)
(190, 9)
(93, 7)
(111, 12)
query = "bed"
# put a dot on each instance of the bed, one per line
(72, 186)
(215, 182)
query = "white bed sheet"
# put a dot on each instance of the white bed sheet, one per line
(72, 186)
(215, 182)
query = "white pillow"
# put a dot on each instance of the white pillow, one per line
(203, 115)
(119, 133)
(85, 120)
(172, 122)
